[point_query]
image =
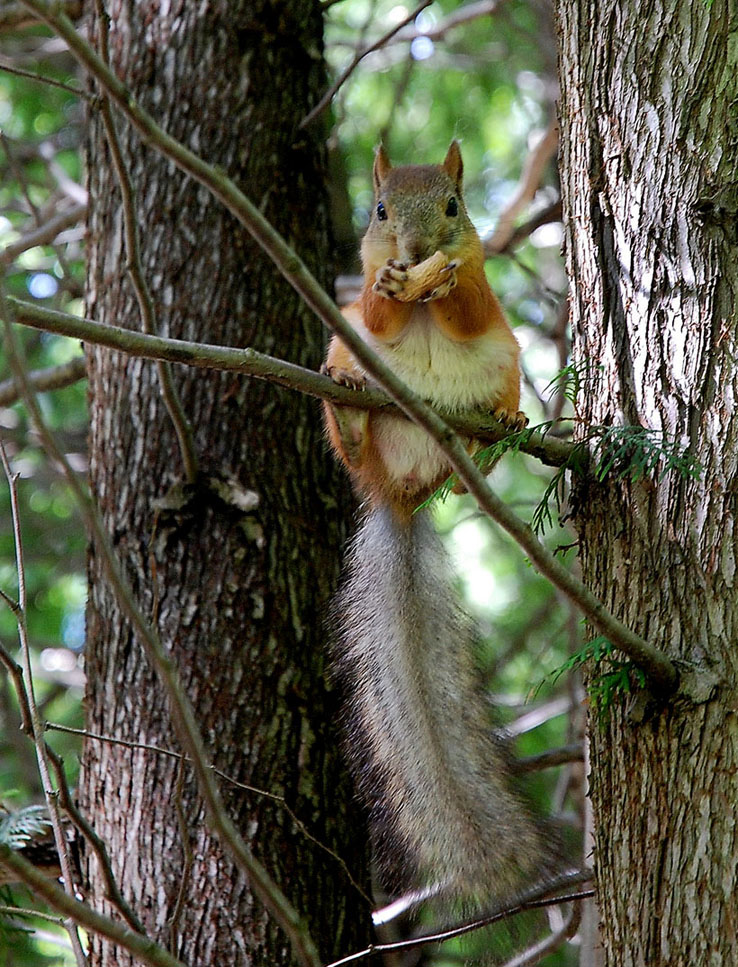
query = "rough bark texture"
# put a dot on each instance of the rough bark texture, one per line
(235, 572)
(650, 168)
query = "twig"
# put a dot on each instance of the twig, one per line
(545, 447)
(546, 946)
(9, 69)
(343, 77)
(659, 670)
(145, 949)
(172, 402)
(550, 758)
(184, 834)
(37, 726)
(42, 380)
(181, 711)
(23, 912)
(530, 180)
(463, 14)
(533, 899)
(16, 673)
(15, 15)
(43, 234)
(275, 797)
(113, 891)
(551, 213)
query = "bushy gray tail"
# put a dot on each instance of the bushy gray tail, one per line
(420, 736)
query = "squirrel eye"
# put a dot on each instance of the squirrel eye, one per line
(452, 208)
(381, 212)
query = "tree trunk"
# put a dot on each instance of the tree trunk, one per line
(236, 570)
(650, 168)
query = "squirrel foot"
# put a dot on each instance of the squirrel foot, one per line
(514, 421)
(344, 377)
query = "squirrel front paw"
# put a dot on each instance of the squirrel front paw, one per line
(390, 279)
(344, 377)
(443, 288)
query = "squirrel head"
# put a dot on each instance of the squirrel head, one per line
(418, 209)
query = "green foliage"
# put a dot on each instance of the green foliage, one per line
(608, 678)
(20, 827)
(634, 452)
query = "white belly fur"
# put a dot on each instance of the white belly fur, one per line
(452, 375)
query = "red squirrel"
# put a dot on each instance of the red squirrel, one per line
(427, 309)
(434, 774)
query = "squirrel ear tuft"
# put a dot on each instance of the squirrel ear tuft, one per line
(382, 167)
(453, 165)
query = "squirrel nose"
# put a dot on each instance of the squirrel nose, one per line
(413, 251)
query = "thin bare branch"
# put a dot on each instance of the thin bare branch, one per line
(16, 673)
(533, 899)
(42, 380)
(43, 234)
(537, 952)
(530, 181)
(464, 14)
(113, 893)
(172, 402)
(27, 696)
(343, 77)
(550, 758)
(275, 797)
(39, 78)
(145, 949)
(13, 16)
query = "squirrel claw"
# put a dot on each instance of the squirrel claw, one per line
(513, 421)
(343, 377)
(390, 279)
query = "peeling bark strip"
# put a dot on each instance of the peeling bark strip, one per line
(650, 167)
(237, 592)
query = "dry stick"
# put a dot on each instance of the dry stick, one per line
(113, 893)
(552, 757)
(172, 402)
(184, 833)
(654, 663)
(43, 234)
(54, 377)
(159, 750)
(545, 447)
(29, 75)
(182, 714)
(530, 180)
(16, 673)
(462, 15)
(143, 948)
(24, 912)
(15, 15)
(546, 946)
(37, 726)
(336, 86)
(533, 899)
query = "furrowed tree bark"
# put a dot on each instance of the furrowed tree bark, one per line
(650, 168)
(236, 571)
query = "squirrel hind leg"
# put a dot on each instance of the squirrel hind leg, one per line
(347, 432)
